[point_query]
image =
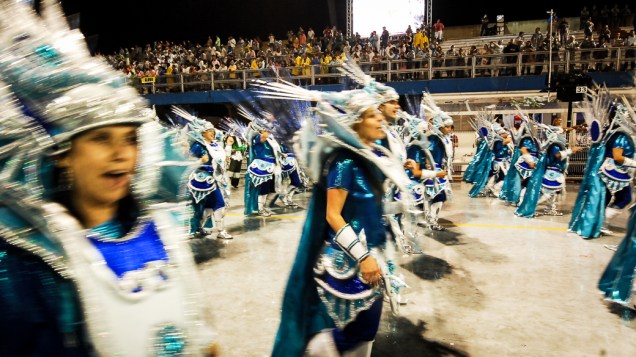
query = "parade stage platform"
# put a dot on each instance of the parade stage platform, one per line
(492, 285)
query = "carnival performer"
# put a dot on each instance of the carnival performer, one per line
(606, 187)
(524, 159)
(423, 170)
(263, 175)
(92, 218)
(438, 189)
(207, 184)
(489, 176)
(290, 171)
(322, 315)
(234, 149)
(547, 182)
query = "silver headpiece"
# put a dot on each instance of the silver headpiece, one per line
(55, 79)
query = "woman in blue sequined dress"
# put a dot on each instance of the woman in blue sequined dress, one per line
(333, 300)
(92, 263)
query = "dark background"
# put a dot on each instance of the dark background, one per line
(109, 25)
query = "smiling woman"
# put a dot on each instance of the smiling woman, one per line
(99, 166)
(84, 241)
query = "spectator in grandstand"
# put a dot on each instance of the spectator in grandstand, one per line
(484, 25)
(528, 59)
(450, 60)
(438, 28)
(585, 14)
(630, 53)
(564, 30)
(384, 38)
(588, 28)
(497, 49)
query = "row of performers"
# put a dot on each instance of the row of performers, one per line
(526, 166)
(272, 172)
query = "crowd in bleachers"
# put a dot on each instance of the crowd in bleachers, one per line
(411, 50)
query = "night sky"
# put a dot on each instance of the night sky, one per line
(109, 25)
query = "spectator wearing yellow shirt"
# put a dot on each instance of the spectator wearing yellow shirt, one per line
(306, 63)
(255, 67)
(325, 61)
(298, 63)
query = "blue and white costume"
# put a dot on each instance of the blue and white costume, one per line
(207, 184)
(327, 308)
(291, 171)
(494, 159)
(524, 158)
(263, 176)
(547, 182)
(438, 189)
(606, 188)
(67, 290)
(418, 151)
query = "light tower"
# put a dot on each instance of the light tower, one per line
(349, 29)
(428, 13)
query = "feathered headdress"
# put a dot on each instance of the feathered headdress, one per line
(596, 111)
(382, 92)
(55, 79)
(430, 109)
(410, 126)
(234, 127)
(191, 125)
(330, 127)
(257, 123)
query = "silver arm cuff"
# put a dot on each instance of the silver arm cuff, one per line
(629, 162)
(428, 174)
(349, 242)
(566, 153)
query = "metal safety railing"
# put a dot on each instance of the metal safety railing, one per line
(440, 67)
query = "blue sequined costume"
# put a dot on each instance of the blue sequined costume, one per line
(438, 146)
(547, 181)
(260, 175)
(517, 177)
(493, 167)
(323, 289)
(204, 188)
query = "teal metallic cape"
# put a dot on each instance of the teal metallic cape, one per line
(40, 307)
(617, 280)
(251, 191)
(589, 207)
(303, 314)
(475, 162)
(482, 172)
(528, 206)
(511, 189)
